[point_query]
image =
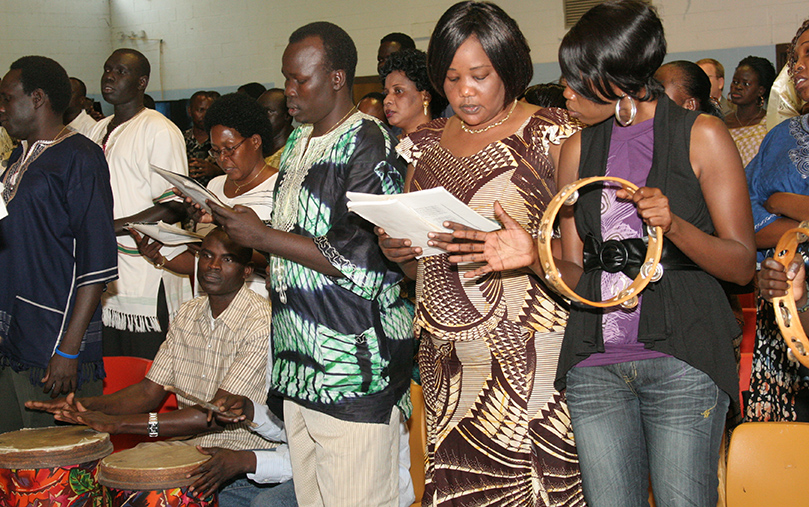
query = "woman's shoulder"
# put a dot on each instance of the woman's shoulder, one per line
(550, 124)
(426, 136)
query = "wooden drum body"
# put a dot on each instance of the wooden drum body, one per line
(153, 475)
(53, 466)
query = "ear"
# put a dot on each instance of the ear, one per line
(721, 83)
(338, 79)
(255, 140)
(248, 270)
(690, 103)
(143, 82)
(38, 98)
(425, 95)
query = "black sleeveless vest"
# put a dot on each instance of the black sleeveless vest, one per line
(686, 314)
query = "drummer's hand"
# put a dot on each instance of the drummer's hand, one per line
(148, 248)
(237, 404)
(61, 376)
(772, 280)
(397, 250)
(99, 421)
(193, 209)
(223, 465)
(653, 206)
(508, 248)
(53, 406)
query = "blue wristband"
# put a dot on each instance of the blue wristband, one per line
(67, 356)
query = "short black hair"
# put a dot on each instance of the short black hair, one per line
(696, 84)
(82, 86)
(619, 42)
(402, 39)
(243, 254)
(374, 95)
(413, 63)
(43, 73)
(143, 67)
(203, 93)
(792, 57)
(240, 112)
(546, 95)
(253, 89)
(763, 68)
(340, 51)
(497, 32)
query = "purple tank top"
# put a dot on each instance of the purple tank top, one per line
(630, 158)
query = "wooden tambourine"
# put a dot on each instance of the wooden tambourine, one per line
(786, 313)
(651, 270)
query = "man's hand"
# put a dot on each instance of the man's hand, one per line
(61, 376)
(54, 406)
(237, 404)
(223, 465)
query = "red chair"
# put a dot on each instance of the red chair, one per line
(124, 371)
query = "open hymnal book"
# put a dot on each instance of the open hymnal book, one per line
(189, 187)
(169, 235)
(416, 214)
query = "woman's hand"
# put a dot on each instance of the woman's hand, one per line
(396, 250)
(508, 248)
(240, 223)
(148, 248)
(194, 210)
(653, 206)
(773, 280)
(223, 465)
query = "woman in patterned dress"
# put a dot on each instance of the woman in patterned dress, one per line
(647, 387)
(748, 123)
(498, 432)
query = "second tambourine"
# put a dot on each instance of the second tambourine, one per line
(650, 270)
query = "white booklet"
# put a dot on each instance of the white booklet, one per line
(189, 187)
(3, 210)
(416, 214)
(168, 234)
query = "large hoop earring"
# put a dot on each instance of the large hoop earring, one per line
(633, 110)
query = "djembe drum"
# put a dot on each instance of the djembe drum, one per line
(153, 475)
(53, 466)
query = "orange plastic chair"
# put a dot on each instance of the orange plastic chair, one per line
(768, 465)
(417, 426)
(124, 371)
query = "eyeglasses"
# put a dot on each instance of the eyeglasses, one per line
(227, 152)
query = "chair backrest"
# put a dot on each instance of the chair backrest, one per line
(768, 464)
(124, 371)
(417, 426)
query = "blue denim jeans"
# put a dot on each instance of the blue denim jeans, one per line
(243, 492)
(658, 417)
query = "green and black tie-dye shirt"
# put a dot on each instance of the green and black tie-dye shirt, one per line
(342, 346)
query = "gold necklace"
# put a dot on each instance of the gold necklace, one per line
(60, 133)
(339, 122)
(239, 187)
(753, 119)
(493, 125)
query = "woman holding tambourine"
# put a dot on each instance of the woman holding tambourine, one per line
(648, 386)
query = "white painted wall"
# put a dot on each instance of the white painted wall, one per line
(215, 44)
(76, 33)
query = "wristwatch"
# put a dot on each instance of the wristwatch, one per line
(152, 426)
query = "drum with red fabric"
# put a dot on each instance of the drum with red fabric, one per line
(53, 466)
(153, 475)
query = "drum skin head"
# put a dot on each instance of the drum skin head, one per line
(53, 446)
(151, 466)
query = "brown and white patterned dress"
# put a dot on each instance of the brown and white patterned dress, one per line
(498, 434)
